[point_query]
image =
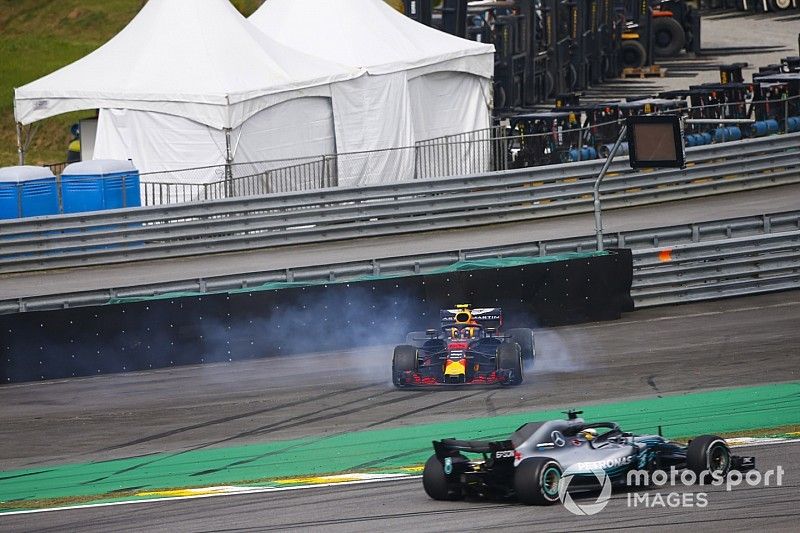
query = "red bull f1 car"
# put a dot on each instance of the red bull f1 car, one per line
(469, 347)
(541, 460)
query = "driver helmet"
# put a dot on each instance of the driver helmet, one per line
(589, 434)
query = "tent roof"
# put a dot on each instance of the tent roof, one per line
(199, 60)
(366, 33)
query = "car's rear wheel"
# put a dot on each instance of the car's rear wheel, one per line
(537, 480)
(708, 453)
(509, 359)
(436, 484)
(527, 344)
(403, 360)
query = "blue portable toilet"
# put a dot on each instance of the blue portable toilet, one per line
(100, 184)
(27, 191)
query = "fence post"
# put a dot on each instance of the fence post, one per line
(416, 161)
(324, 171)
(20, 145)
(59, 194)
(228, 162)
(785, 114)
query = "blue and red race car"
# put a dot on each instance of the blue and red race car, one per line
(469, 347)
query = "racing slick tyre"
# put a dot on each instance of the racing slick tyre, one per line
(536, 481)
(509, 358)
(436, 484)
(527, 344)
(708, 453)
(668, 37)
(632, 54)
(404, 359)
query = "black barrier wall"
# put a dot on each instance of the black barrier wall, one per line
(228, 327)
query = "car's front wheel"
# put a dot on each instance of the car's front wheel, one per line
(509, 359)
(404, 360)
(708, 453)
(537, 480)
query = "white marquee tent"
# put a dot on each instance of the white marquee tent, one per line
(422, 83)
(191, 83)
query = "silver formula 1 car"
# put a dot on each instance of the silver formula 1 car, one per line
(529, 465)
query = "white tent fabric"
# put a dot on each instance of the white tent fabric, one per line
(391, 107)
(373, 119)
(180, 73)
(162, 143)
(199, 60)
(369, 34)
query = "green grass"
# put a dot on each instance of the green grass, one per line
(40, 36)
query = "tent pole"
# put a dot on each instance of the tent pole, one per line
(228, 163)
(20, 148)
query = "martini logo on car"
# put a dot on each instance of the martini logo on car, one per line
(605, 464)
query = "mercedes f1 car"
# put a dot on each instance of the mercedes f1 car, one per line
(469, 347)
(529, 465)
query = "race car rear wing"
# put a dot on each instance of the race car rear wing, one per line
(488, 317)
(451, 447)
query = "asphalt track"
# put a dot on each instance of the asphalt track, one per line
(771, 200)
(649, 353)
(402, 505)
(646, 354)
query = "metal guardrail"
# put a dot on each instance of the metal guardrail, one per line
(656, 280)
(731, 267)
(109, 237)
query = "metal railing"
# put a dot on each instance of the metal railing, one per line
(491, 149)
(57, 168)
(483, 150)
(247, 179)
(473, 152)
(671, 264)
(109, 237)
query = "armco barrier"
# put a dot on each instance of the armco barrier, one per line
(318, 216)
(300, 318)
(655, 240)
(708, 270)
